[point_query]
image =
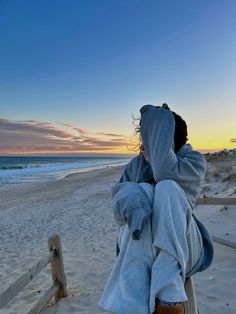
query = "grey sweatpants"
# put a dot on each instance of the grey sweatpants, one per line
(153, 268)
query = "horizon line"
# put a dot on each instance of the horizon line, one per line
(202, 150)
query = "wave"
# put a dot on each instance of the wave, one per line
(13, 167)
(20, 167)
(34, 172)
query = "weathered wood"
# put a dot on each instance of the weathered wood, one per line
(191, 304)
(224, 242)
(19, 285)
(216, 201)
(57, 267)
(43, 301)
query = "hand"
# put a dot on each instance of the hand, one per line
(165, 106)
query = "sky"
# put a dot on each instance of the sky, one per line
(74, 73)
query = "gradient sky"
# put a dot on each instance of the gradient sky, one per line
(73, 72)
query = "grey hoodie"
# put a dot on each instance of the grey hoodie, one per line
(186, 167)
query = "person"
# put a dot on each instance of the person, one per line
(160, 241)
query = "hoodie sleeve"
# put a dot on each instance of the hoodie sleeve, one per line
(137, 170)
(130, 205)
(157, 131)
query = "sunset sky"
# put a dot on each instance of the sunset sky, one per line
(72, 73)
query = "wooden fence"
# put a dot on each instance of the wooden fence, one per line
(191, 305)
(58, 288)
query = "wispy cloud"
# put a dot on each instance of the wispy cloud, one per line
(109, 134)
(34, 136)
(71, 126)
(233, 140)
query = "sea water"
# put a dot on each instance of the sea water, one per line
(15, 170)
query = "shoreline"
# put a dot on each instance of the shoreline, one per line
(29, 172)
(66, 176)
(92, 169)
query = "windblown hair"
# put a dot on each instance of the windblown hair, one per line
(181, 132)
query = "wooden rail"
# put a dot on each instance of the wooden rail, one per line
(216, 201)
(224, 242)
(40, 305)
(58, 289)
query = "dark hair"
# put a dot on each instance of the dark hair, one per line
(181, 132)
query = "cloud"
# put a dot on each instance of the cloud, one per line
(233, 140)
(34, 136)
(32, 127)
(81, 131)
(110, 134)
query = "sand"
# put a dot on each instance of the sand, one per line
(78, 209)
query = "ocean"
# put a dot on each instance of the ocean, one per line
(18, 170)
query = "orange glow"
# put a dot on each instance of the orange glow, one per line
(33, 137)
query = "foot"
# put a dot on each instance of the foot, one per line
(169, 309)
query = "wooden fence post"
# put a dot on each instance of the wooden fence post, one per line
(57, 268)
(191, 304)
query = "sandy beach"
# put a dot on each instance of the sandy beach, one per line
(78, 209)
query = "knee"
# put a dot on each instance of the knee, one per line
(169, 189)
(167, 186)
(168, 194)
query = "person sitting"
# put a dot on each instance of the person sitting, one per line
(160, 241)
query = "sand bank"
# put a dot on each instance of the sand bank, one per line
(78, 209)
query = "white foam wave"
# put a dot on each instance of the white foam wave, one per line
(53, 171)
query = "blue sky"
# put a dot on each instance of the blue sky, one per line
(94, 63)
